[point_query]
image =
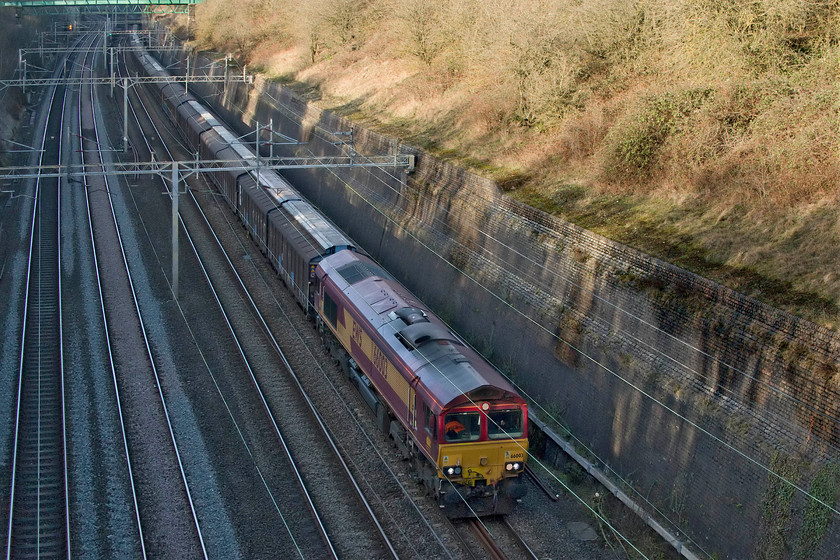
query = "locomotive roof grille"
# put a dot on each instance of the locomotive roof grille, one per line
(357, 271)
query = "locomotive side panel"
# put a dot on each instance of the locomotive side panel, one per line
(459, 420)
(342, 319)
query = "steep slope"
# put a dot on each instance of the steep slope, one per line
(700, 132)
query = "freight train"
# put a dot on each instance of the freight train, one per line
(446, 408)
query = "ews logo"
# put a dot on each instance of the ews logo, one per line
(377, 357)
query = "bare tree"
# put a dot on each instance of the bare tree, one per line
(346, 19)
(423, 28)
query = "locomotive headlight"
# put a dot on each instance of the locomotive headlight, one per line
(514, 467)
(452, 471)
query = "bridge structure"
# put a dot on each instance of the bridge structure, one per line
(104, 6)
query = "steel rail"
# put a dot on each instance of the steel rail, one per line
(554, 496)
(111, 363)
(486, 539)
(104, 174)
(296, 379)
(258, 314)
(490, 543)
(465, 546)
(288, 452)
(519, 540)
(36, 216)
(298, 384)
(61, 346)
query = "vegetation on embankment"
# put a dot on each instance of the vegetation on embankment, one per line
(704, 132)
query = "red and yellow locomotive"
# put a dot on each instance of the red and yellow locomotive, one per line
(448, 409)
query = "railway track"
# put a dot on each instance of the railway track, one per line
(166, 513)
(237, 302)
(39, 519)
(499, 540)
(301, 492)
(158, 478)
(284, 396)
(101, 492)
(157, 513)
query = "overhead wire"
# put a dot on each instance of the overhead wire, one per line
(597, 514)
(572, 283)
(588, 506)
(209, 369)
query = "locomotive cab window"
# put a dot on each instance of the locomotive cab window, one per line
(462, 426)
(504, 423)
(431, 421)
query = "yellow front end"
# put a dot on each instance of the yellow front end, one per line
(482, 460)
(481, 478)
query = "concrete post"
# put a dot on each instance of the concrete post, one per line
(175, 229)
(125, 114)
(113, 73)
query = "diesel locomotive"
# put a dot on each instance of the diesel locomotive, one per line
(449, 411)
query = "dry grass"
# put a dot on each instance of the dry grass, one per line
(701, 131)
